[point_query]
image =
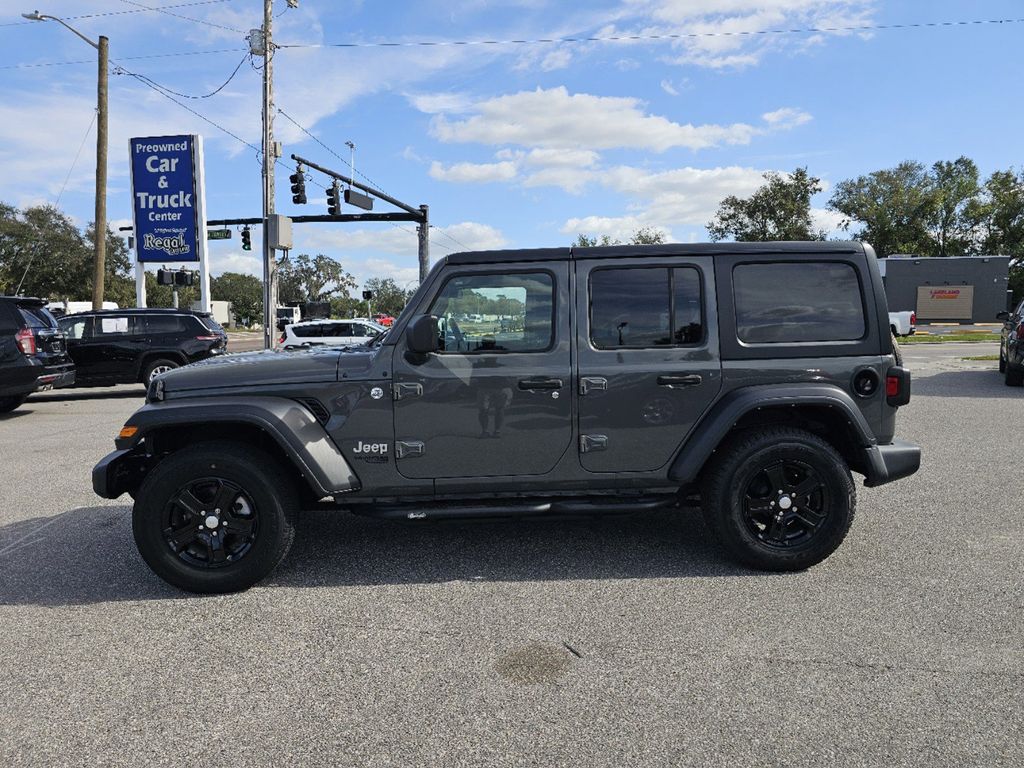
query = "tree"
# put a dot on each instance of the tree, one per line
(955, 189)
(1000, 214)
(320, 278)
(895, 207)
(245, 292)
(44, 252)
(387, 296)
(642, 236)
(779, 210)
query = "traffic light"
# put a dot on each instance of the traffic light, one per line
(298, 180)
(367, 295)
(184, 277)
(246, 239)
(334, 199)
(165, 277)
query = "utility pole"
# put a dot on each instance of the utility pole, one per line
(99, 267)
(269, 159)
(423, 235)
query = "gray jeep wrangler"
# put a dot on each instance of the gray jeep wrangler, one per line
(753, 377)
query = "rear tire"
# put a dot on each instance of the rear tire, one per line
(218, 517)
(1014, 376)
(779, 498)
(8, 404)
(896, 353)
(1002, 363)
(157, 367)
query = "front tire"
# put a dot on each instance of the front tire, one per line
(157, 367)
(779, 499)
(215, 518)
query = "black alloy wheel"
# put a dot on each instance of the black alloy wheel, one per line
(215, 516)
(210, 523)
(778, 498)
(785, 504)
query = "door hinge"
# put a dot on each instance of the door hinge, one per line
(409, 449)
(592, 383)
(404, 390)
(591, 443)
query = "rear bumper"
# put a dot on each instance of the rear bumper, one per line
(891, 462)
(56, 377)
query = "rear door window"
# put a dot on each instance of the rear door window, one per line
(110, 326)
(787, 302)
(308, 331)
(643, 307)
(211, 324)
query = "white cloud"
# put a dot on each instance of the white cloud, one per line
(436, 103)
(554, 118)
(579, 158)
(786, 118)
(473, 173)
(667, 87)
(666, 199)
(738, 33)
(829, 221)
(471, 236)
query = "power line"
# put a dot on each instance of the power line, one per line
(663, 36)
(214, 92)
(292, 120)
(26, 65)
(122, 13)
(453, 239)
(77, 155)
(166, 12)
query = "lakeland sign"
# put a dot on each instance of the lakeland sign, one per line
(167, 198)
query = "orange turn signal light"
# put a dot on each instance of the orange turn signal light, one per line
(127, 432)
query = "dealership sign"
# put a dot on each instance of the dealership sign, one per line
(167, 198)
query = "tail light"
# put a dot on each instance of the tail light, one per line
(1020, 331)
(26, 341)
(281, 340)
(897, 386)
(207, 338)
(913, 318)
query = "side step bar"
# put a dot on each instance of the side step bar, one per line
(553, 507)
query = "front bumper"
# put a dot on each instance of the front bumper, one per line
(890, 462)
(117, 472)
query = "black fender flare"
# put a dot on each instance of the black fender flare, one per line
(723, 416)
(290, 424)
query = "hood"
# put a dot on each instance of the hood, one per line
(320, 364)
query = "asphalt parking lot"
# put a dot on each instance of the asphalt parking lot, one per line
(618, 641)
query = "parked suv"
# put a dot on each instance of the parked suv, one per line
(124, 346)
(1011, 346)
(754, 377)
(33, 355)
(311, 333)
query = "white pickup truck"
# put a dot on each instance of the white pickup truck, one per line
(903, 323)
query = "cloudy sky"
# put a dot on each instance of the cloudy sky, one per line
(513, 144)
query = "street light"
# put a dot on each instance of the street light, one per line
(101, 156)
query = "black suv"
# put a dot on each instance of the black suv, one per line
(33, 355)
(123, 346)
(751, 376)
(1011, 346)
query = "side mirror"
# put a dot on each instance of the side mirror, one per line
(1003, 316)
(421, 335)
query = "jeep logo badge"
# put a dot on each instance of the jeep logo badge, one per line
(376, 393)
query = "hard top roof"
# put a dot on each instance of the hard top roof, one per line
(665, 249)
(29, 301)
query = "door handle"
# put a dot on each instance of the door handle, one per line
(540, 384)
(677, 382)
